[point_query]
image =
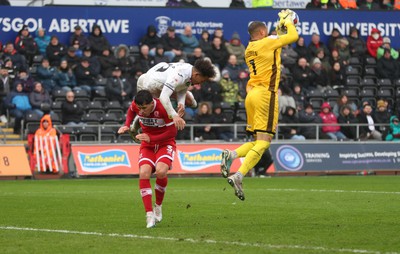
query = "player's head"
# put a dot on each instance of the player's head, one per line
(257, 30)
(203, 70)
(144, 101)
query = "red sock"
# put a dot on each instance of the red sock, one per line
(161, 186)
(145, 191)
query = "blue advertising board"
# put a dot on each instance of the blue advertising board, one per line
(336, 156)
(128, 25)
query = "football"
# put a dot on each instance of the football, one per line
(295, 18)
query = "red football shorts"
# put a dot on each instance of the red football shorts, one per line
(152, 154)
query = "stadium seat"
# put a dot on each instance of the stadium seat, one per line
(33, 71)
(369, 71)
(87, 133)
(331, 93)
(240, 105)
(110, 118)
(37, 59)
(101, 82)
(385, 92)
(64, 129)
(370, 61)
(113, 106)
(316, 103)
(95, 107)
(354, 61)
(59, 95)
(56, 106)
(91, 118)
(126, 105)
(398, 92)
(369, 81)
(397, 83)
(81, 94)
(353, 81)
(315, 93)
(240, 116)
(353, 70)
(385, 82)
(368, 92)
(107, 133)
(31, 122)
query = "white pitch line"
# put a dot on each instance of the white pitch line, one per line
(191, 240)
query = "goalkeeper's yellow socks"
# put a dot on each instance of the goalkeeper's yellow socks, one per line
(253, 156)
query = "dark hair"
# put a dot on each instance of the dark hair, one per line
(255, 26)
(205, 68)
(143, 97)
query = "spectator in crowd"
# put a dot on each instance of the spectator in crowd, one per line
(145, 61)
(78, 51)
(369, 130)
(236, 48)
(357, 44)
(189, 41)
(348, 4)
(118, 88)
(290, 131)
(386, 45)
(5, 82)
(42, 40)
(66, 77)
(5, 2)
(225, 133)
(335, 57)
(85, 76)
(314, 4)
(319, 76)
(47, 74)
(302, 74)
(387, 67)
(335, 34)
(172, 45)
(237, 4)
(25, 44)
(46, 151)
(369, 5)
(211, 91)
(197, 54)
(329, 120)
(97, 41)
(108, 61)
(126, 62)
(325, 61)
(289, 57)
(71, 111)
(234, 68)
(160, 56)
(315, 44)
(394, 130)
(93, 60)
(72, 59)
(309, 116)
(343, 100)
(25, 79)
(345, 118)
(218, 32)
(342, 46)
(218, 54)
(190, 4)
(382, 116)
(55, 51)
(150, 39)
(205, 41)
(18, 60)
(17, 102)
(337, 76)
(374, 41)
(285, 99)
(204, 116)
(40, 100)
(331, 5)
(79, 36)
(230, 89)
(301, 49)
(299, 96)
(242, 83)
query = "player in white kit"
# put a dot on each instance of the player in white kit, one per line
(167, 79)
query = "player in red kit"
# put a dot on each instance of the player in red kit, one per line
(157, 149)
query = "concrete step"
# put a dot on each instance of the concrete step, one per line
(16, 142)
(8, 130)
(10, 136)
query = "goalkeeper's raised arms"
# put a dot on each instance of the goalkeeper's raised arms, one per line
(285, 17)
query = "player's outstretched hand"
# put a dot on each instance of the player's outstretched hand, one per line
(181, 109)
(123, 129)
(179, 122)
(143, 137)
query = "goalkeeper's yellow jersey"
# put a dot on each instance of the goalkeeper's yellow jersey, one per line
(263, 57)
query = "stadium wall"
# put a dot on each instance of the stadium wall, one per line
(128, 25)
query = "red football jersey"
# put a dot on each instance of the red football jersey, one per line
(157, 125)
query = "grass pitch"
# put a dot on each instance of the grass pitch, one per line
(347, 214)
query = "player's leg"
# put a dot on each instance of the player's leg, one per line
(146, 166)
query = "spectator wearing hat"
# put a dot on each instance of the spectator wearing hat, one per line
(189, 41)
(160, 56)
(329, 120)
(72, 59)
(55, 51)
(118, 88)
(108, 61)
(386, 45)
(85, 75)
(342, 46)
(236, 48)
(18, 60)
(357, 44)
(42, 40)
(97, 41)
(230, 89)
(382, 115)
(367, 118)
(151, 39)
(346, 117)
(172, 45)
(25, 44)
(66, 77)
(374, 41)
(25, 79)
(93, 59)
(79, 36)
(394, 130)
(46, 74)
(40, 99)
(319, 76)
(335, 35)
(126, 61)
(387, 67)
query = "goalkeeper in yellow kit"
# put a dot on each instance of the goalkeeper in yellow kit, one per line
(263, 59)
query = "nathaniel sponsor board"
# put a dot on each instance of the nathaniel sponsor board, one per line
(97, 162)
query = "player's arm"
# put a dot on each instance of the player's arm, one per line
(130, 115)
(180, 97)
(165, 95)
(291, 36)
